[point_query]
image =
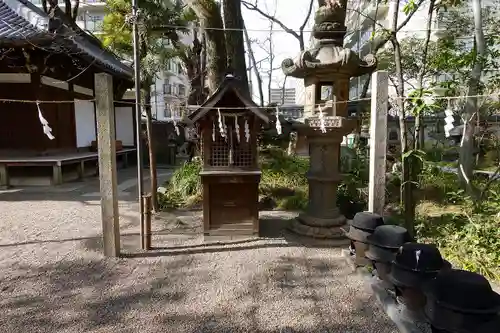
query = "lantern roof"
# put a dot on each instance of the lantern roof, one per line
(230, 85)
(328, 56)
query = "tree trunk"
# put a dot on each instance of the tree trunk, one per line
(419, 129)
(235, 44)
(466, 158)
(208, 12)
(193, 63)
(151, 150)
(406, 198)
(254, 66)
(407, 201)
(271, 64)
(203, 64)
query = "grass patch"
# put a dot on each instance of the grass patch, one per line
(468, 238)
(184, 188)
(283, 185)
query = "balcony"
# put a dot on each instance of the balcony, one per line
(83, 3)
(97, 4)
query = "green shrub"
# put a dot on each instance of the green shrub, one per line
(439, 186)
(283, 184)
(466, 230)
(184, 188)
(490, 160)
(471, 242)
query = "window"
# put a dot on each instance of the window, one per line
(324, 92)
(167, 89)
(167, 113)
(80, 21)
(230, 152)
(365, 37)
(393, 136)
(94, 22)
(182, 90)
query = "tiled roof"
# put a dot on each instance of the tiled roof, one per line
(13, 26)
(23, 22)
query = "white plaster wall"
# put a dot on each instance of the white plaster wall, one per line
(85, 123)
(124, 123)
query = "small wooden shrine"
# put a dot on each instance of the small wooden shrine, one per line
(228, 123)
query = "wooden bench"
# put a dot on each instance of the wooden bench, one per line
(56, 162)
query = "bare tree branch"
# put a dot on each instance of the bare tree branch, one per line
(298, 36)
(67, 8)
(254, 65)
(380, 43)
(75, 10)
(302, 27)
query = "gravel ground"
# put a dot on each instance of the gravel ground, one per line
(53, 277)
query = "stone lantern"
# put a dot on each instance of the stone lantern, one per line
(326, 70)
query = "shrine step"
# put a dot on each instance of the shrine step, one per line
(232, 229)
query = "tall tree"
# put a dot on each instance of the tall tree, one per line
(70, 7)
(233, 22)
(225, 48)
(466, 161)
(209, 16)
(154, 56)
(420, 92)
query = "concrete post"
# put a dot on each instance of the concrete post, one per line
(378, 142)
(107, 163)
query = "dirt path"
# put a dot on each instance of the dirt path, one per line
(54, 279)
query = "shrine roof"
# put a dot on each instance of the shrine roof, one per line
(230, 84)
(24, 24)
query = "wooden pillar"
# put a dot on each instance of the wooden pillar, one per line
(80, 168)
(378, 142)
(148, 206)
(125, 160)
(105, 117)
(57, 174)
(4, 176)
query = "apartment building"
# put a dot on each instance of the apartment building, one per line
(90, 14)
(283, 96)
(360, 26)
(171, 86)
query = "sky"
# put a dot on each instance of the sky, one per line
(285, 45)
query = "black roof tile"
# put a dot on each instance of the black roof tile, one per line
(23, 22)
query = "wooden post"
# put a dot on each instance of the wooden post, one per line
(148, 206)
(80, 168)
(107, 163)
(4, 176)
(378, 142)
(57, 174)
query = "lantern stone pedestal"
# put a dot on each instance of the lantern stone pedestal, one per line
(323, 218)
(326, 69)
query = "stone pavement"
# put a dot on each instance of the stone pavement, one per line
(53, 277)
